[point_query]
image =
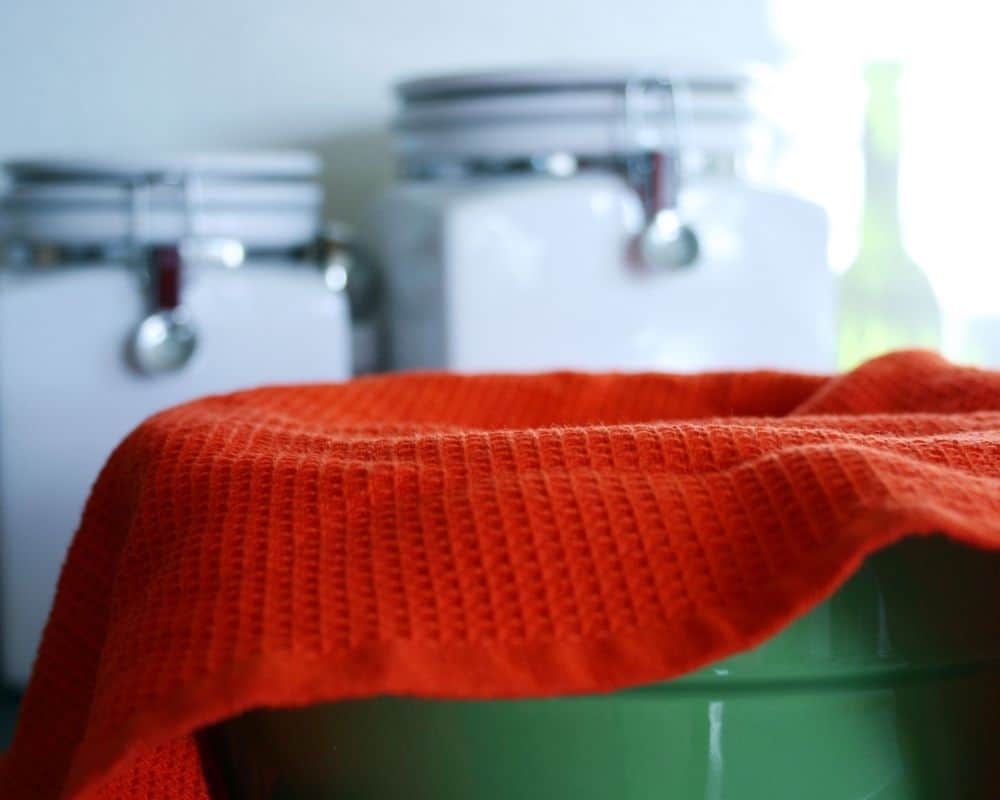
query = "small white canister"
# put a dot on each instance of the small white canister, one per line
(596, 220)
(129, 286)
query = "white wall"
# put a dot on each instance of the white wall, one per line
(132, 75)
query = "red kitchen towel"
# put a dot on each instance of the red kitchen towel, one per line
(495, 536)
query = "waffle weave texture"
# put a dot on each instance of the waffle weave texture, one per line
(495, 536)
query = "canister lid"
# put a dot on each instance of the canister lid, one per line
(560, 80)
(261, 165)
(265, 199)
(583, 111)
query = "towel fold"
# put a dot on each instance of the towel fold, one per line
(493, 536)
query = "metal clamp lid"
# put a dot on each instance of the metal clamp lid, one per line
(666, 242)
(347, 269)
(654, 115)
(166, 339)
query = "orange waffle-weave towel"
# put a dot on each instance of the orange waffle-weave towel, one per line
(474, 537)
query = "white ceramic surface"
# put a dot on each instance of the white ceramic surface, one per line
(68, 396)
(68, 393)
(531, 274)
(491, 266)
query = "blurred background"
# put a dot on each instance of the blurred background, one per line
(109, 76)
(193, 75)
(880, 168)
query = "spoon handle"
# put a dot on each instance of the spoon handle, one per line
(166, 270)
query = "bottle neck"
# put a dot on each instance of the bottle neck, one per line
(881, 228)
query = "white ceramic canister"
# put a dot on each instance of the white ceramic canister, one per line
(129, 286)
(597, 220)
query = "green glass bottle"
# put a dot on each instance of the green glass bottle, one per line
(886, 301)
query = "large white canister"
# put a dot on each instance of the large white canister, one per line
(129, 286)
(598, 220)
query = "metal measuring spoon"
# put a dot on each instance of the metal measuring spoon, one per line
(166, 339)
(667, 243)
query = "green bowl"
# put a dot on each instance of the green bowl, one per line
(890, 690)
